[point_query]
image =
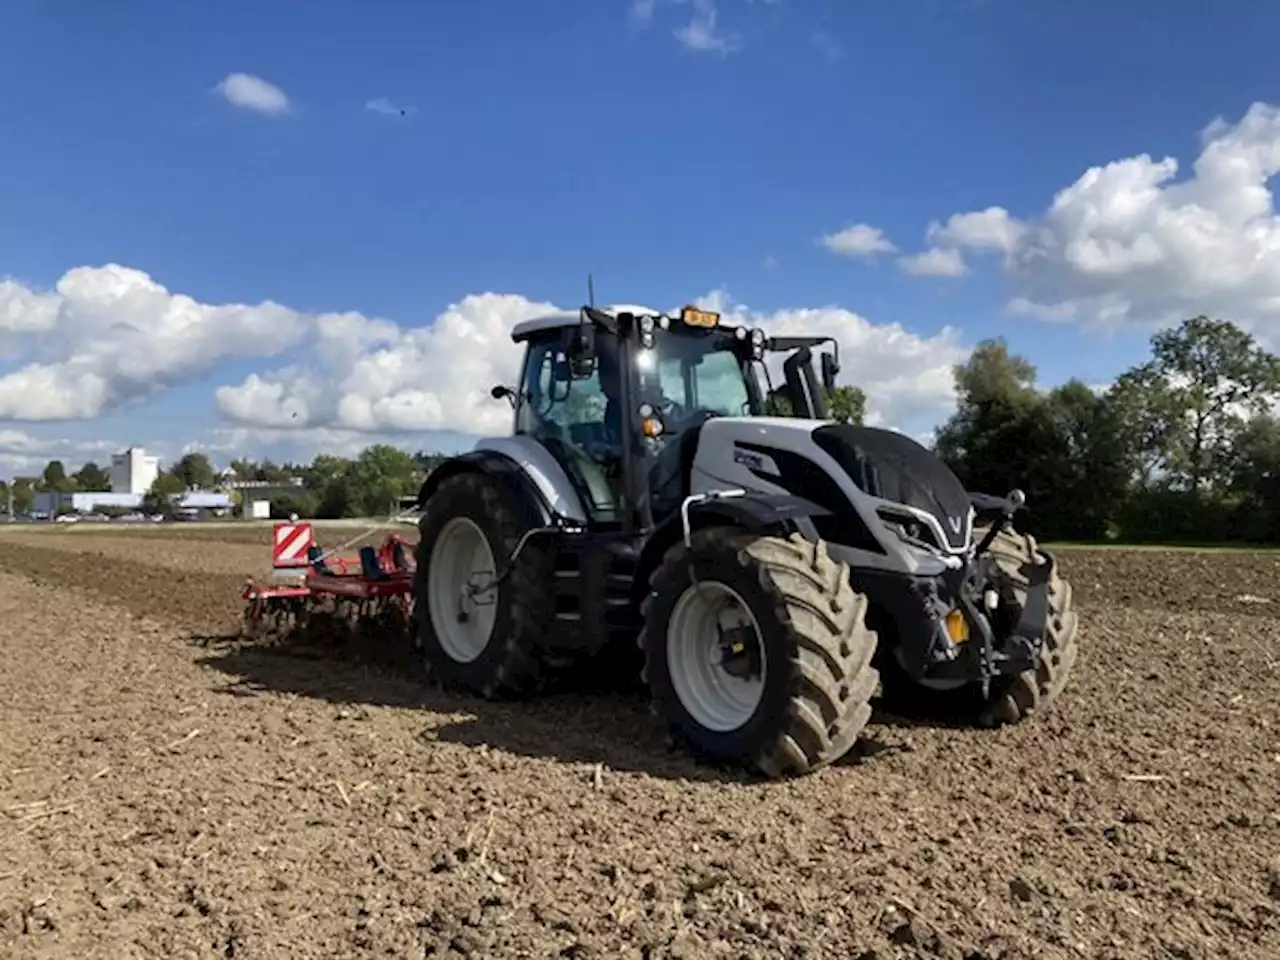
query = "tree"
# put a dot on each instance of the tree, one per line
(380, 476)
(847, 404)
(244, 469)
(1147, 422)
(1255, 479)
(159, 499)
(1204, 379)
(92, 478)
(303, 503)
(1094, 466)
(324, 470)
(1004, 434)
(55, 477)
(24, 494)
(195, 471)
(426, 462)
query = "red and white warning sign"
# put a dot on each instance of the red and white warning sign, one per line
(289, 547)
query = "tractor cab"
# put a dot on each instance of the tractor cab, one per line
(618, 395)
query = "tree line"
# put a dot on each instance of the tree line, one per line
(369, 484)
(331, 488)
(1183, 447)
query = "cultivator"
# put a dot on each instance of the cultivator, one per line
(323, 595)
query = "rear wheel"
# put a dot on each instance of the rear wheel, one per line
(474, 632)
(757, 652)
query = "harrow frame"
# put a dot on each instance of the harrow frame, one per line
(313, 591)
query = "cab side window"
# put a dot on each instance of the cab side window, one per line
(558, 406)
(568, 418)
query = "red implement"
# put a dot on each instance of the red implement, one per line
(373, 588)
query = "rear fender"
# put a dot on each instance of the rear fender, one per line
(522, 492)
(759, 513)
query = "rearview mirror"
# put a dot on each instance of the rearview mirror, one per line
(830, 367)
(502, 392)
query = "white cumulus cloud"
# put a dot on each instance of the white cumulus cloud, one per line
(908, 377)
(24, 454)
(106, 336)
(858, 241)
(369, 378)
(376, 376)
(704, 33)
(1133, 242)
(641, 11)
(934, 262)
(106, 340)
(253, 93)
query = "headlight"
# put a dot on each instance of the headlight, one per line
(907, 527)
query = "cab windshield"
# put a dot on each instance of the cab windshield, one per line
(692, 374)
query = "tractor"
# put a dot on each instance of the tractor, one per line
(766, 576)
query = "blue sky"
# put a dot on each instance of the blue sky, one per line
(677, 149)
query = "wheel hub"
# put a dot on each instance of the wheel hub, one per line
(476, 592)
(740, 655)
(461, 589)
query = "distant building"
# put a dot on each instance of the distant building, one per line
(201, 500)
(191, 503)
(227, 481)
(55, 503)
(133, 471)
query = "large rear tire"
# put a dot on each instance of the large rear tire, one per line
(475, 635)
(801, 700)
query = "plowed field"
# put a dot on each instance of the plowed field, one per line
(169, 792)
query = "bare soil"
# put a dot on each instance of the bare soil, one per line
(169, 792)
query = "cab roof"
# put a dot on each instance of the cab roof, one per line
(570, 318)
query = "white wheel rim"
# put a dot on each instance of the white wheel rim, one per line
(462, 600)
(713, 697)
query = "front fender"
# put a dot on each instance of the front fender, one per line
(758, 513)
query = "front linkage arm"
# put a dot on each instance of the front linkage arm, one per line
(1003, 507)
(1024, 644)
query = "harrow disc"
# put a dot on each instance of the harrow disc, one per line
(270, 618)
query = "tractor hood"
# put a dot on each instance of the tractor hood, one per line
(890, 465)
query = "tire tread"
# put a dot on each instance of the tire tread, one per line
(833, 679)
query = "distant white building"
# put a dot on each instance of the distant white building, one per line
(191, 503)
(133, 471)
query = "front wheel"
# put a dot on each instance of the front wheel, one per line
(1012, 698)
(1019, 696)
(757, 651)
